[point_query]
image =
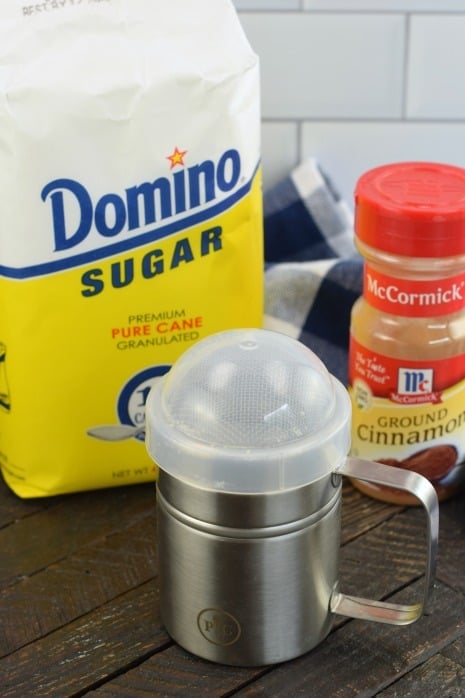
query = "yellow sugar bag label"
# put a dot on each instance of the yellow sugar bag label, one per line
(130, 221)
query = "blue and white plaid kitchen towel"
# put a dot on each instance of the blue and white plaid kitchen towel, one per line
(313, 273)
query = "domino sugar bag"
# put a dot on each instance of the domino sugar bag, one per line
(130, 220)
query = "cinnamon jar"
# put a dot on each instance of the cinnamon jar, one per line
(407, 345)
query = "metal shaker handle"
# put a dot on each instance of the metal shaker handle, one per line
(422, 489)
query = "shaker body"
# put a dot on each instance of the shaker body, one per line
(248, 596)
(251, 435)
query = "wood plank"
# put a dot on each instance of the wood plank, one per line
(127, 625)
(37, 541)
(377, 651)
(386, 558)
(12, 508)
(175, 672)
(88, 651)
(451, 553)
(94, 575)
(437, 677)
(362, 659)
(456, 652)
(361, 513)
(99, 576)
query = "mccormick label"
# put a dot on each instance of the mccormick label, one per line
(413, 298)
(402, 408)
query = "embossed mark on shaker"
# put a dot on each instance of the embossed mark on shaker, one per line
(218, 627)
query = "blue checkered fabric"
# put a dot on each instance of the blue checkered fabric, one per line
(313, 274)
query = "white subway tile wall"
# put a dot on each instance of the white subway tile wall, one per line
(436, 61)
(358, 83)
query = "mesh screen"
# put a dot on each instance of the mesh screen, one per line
(249, 394)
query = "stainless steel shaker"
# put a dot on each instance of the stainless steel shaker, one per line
(250, 433)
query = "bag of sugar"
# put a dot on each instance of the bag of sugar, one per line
(130, 221)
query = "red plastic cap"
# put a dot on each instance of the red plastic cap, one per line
(413, 209)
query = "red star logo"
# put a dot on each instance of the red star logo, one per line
(176, 157)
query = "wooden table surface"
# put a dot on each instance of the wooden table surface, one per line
(79, 612)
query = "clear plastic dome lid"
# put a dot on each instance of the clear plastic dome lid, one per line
(248, 411)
